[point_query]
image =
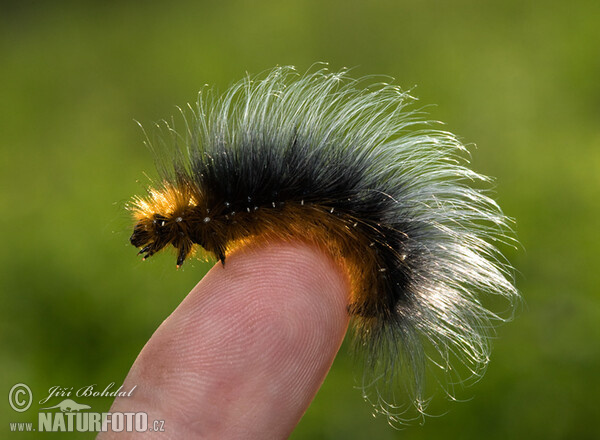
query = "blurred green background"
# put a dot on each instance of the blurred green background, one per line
(518, 79)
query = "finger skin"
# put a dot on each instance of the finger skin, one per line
(245, 353)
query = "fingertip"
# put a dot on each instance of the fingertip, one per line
(246, 351)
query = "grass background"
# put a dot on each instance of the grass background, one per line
(519, 79)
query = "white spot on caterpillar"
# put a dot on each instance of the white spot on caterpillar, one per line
(256, 208)
(248, 209)
(382, 269)
(302, 202)
(273, 204)
(227, 204)
(372, 244)
(178, 219)
(206, 219)
(331, 210)
(355, 225)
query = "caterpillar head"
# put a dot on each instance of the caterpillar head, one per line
(153, 233)
(161, 219)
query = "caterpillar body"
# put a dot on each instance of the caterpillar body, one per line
(348, 167)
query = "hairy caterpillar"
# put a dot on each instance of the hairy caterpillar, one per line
(350, 168)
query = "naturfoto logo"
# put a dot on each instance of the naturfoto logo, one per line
(70, 416)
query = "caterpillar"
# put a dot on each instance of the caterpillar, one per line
(350, 166)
